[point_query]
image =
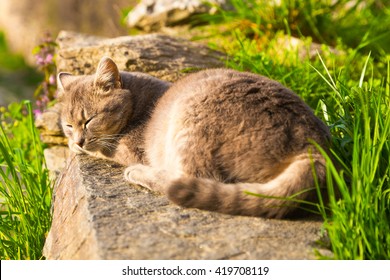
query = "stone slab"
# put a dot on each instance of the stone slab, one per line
(97, 215)
(161, 56)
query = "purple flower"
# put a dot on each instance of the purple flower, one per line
(39, 60)
(37, 113)
(49, 58)
(45, 62)
(45, 99)
(52, 80)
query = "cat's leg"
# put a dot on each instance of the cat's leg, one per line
(148, 177)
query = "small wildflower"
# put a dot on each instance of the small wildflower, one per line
(45, 60)
(49, 58)
(45, 99)
(52, 79)
(37, 113)
(39, 60)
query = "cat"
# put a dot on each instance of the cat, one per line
(209, 141)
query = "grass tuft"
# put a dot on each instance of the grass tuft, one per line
(358, 225)
(25, 189)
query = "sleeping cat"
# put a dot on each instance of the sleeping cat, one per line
(205, 141)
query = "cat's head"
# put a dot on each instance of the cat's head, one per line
(95, 108)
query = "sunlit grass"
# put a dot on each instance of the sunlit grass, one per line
(25, 190)
(359, 222)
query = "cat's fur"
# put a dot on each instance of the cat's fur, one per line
(204, 141)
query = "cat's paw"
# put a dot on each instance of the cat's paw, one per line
(135, 174)
(147, 177)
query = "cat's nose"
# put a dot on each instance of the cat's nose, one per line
(79, 142)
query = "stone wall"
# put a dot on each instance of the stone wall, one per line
(98, 215)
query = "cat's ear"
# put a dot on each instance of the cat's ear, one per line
(63, 79)
(107, 75)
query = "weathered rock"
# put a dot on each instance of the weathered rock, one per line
(51, 133)
(71, 39)
(151, 15)
(56, 160)
(97, 215)
(49, 125)
(162, 56)
(71, 235)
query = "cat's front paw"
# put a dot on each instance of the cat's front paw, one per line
(135, 174)
(147, 177)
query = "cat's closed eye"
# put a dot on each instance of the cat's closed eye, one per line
(86, 124)
(107, 88)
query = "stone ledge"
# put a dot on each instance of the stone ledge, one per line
(97, 215)
(165, 57)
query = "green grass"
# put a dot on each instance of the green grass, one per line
(347, 86)
(359, 223)
(25, 190)
(327, 22)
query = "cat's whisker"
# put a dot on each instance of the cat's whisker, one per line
(107, 145)
(115, 137)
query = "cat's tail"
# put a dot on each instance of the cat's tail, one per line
(294, 183)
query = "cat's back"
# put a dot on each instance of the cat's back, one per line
(219, 92)
(209, 89)
(218, 115)
(227, 99)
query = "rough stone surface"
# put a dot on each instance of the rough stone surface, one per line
(97, 215)
(49, 126)
(55, 157)
(51, 134)
(162, 56)
(154, 14)
(72, 235)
